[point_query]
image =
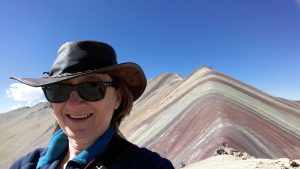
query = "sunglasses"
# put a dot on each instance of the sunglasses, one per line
(90, 91)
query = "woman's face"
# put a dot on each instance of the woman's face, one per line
(82, 119)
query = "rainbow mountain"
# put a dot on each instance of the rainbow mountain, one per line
(184, 119)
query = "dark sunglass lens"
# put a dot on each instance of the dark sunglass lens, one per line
(57, 93)
(92, 91)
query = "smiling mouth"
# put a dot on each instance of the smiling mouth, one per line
(79, 117)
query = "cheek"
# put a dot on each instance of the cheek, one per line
(57, 111)
(104, 109)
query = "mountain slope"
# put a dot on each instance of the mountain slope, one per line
(184, 119)
(23, 130)
(208, 109)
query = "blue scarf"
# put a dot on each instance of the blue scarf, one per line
(59, 144)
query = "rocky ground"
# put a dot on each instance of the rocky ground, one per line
(228, 158)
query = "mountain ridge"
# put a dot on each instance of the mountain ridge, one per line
(184, 119)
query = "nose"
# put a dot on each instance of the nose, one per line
(74, 99)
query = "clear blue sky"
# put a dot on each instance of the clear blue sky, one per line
(254, 41)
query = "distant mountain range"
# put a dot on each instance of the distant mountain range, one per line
(184, 119)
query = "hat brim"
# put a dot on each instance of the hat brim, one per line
(130, 73)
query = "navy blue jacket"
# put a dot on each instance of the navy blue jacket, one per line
(132, 157)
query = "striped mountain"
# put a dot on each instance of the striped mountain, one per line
(188, 119)
(184, 119)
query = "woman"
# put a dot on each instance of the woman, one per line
(90, 94)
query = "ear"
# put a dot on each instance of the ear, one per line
(118, 99)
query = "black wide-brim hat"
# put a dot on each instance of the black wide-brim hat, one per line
(81, 58)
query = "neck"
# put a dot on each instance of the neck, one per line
(77, 146)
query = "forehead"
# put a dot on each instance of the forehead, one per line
(89, 77)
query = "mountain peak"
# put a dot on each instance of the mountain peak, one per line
(184, 119)
(201, 71)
